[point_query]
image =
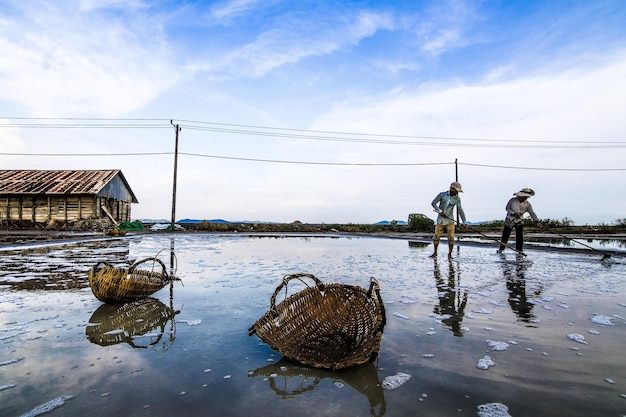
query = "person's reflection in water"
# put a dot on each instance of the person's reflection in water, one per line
(514, 273)
(452, 302)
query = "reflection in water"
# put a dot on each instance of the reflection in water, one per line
(514, 273)
(452, 303)
(288, 379)
(132, 323)
(57, 267)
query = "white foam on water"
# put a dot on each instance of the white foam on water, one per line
(7, 386)
(485, 363)
(395, 381)
(12, 332)
(402, 316)
(592, 331)
(151, 335)
(603, 320)
(493, 410)
(39, 319)
(190, 322)
(11, 361)
(497, 303)
(578, 338)
(482, 311)
(499, 346)
(48, 407)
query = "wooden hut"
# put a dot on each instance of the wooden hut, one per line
(48, 196)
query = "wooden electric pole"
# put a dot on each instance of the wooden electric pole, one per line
(456, 178)
(175, 175)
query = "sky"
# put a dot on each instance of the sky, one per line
(323, 111)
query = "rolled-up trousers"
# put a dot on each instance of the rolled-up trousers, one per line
(519, 236)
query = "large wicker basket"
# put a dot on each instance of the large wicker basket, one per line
(330, 326)
(112, 284)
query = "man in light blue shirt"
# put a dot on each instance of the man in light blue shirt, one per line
(444, 205)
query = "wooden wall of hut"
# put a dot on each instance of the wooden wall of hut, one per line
(43, 209)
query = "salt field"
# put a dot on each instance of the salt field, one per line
(480, 335)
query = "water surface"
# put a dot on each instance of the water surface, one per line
(552, 323)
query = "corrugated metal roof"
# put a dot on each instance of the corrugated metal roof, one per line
(31, 182)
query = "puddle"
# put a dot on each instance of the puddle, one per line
(186, 350)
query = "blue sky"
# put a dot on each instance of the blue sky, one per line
(335, 112)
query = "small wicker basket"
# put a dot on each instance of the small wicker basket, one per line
(330, 326)
(118, 285)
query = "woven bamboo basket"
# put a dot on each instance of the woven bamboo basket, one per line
(112, 284)
(330, 326)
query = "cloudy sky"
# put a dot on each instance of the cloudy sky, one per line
(323, 111)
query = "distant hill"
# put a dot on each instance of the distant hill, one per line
(222, 221)
(387, 223)
(196, 221)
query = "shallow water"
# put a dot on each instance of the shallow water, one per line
(552, 324)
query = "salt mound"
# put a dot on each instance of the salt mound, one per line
(493, 410)
(394, 381)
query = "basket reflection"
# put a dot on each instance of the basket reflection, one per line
(140, 324)
(289, 379)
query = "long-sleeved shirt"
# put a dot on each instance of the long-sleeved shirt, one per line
(515, 210)
(444, 203)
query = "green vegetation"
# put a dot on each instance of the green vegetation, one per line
(136, 225)
(418, 223)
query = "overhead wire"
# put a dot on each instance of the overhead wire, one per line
(302, 134)
(322, 135)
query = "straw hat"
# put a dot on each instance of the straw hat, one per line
(525, 192)
(457, 186)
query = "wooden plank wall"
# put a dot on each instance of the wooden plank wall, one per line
(43, 209)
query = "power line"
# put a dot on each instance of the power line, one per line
(316, 135)
(293, 162)
(544, 169)
(86, 154)
(315, 163)
(501, 144)
(391, 136)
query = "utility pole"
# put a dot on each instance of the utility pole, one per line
(456, 178)
(175, 175)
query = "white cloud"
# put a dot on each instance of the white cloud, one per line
(225, 11)
(567, 106)
(291, 40)
(64, 62)
(88, 5)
